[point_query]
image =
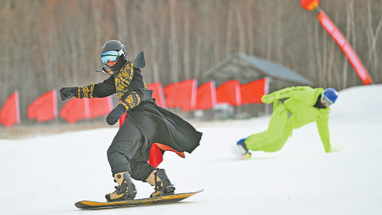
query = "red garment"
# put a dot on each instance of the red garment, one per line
(156, 153)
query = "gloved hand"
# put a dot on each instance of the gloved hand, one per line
(68, 92)
(115, 114)
(269, 98)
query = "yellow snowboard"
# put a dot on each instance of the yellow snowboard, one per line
(92, 205)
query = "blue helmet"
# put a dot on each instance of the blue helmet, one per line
(329, 96)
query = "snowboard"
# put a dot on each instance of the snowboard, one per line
(94, 205)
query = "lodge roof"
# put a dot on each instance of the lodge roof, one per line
(247, 68)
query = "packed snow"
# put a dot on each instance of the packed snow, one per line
(48, 174)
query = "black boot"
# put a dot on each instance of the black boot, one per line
(163, 186)
(125, 189)
(245, 152)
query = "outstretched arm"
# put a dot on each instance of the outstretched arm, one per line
(280, 94)
(323, 130)
(100, 90)
(285, 93)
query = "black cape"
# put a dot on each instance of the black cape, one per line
(159, 125)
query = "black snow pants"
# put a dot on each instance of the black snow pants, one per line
(147, 124)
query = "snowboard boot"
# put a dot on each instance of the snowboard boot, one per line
(245, 152)
(163, 186)
(125, 189)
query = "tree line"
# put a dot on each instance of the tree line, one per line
(48, 44)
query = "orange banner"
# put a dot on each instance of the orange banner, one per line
(353, 58)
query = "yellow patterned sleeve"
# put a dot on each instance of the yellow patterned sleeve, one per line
(86, 92)
(132, 100)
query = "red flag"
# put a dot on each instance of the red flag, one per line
(10, 113)
(252, 92)
(100, 106)
(182, 94)
(75, 109)
(44, 108)
(229, 92)
(206, 96)
(353, 58)
(158, 94)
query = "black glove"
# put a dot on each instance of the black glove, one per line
(68, 92)
(115, 114)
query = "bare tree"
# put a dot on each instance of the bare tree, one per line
(58, 42)
(186, 50)
(373, 36)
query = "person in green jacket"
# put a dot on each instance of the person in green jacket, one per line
(303, 105)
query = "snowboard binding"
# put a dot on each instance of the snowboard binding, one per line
(163, 186)
(124, 191)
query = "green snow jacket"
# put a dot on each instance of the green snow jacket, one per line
(300, 103)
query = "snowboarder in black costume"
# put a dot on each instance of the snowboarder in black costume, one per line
(146, 123)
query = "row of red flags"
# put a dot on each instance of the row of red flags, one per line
(185, 95)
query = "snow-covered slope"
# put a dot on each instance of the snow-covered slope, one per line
(47, 174)
(359, 104)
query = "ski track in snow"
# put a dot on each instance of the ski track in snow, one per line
(48, 174)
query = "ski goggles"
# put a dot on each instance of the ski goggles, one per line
(111, 56)
(326, 101)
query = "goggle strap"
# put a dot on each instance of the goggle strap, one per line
(120, 52)
(103, 70)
